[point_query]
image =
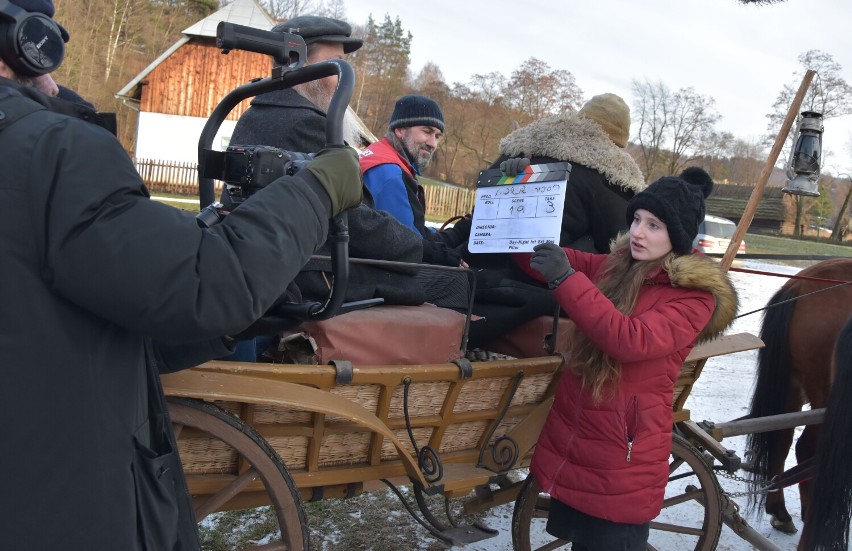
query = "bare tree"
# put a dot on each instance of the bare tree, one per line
(744, 158)
(674, 128)
(282, 10)
(692, 134)
(651, 104)
(537, 90)
(828, 94)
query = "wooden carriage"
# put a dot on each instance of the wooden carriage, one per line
(254, 434)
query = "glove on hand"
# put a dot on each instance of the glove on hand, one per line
(550, 260)
(460, 231)
(437, 252)
(513, 167)
(338, 171)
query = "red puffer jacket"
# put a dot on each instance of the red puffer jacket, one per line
(610, 460)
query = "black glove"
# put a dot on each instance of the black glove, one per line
(513, 167)
(437, 252)
(462, 227)
(552, 263)
(458, 234)
(338, 171)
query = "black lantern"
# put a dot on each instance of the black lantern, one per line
(803, 166)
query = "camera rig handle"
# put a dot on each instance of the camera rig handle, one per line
(290, 48)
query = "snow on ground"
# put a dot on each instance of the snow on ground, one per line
(722, 393)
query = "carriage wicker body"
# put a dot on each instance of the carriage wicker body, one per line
(281, 434)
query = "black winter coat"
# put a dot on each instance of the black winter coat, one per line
(283, 119)
(603, 176)
(287, 120)
(100, 287)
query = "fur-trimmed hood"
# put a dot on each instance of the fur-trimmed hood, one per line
(574, 138)
(696, 271)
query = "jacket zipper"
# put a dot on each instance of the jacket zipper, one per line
(631, 431)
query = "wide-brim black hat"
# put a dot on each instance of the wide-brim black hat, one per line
(314, 28)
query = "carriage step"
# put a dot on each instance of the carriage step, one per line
(459, 479)
(463, 535)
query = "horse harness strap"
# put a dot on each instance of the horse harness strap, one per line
(800, 473)
(789, 276)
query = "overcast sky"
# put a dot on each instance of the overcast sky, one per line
(739, 55)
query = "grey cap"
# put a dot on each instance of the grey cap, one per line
(314, 28)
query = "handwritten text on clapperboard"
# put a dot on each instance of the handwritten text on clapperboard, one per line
(517, 217)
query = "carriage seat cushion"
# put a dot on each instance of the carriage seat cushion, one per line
(528, 340)
(388, 335)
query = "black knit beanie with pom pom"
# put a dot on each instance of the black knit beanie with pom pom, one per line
(678, 201)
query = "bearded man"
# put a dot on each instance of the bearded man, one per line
(391, 166)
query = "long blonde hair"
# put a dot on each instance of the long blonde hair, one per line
(620, 282)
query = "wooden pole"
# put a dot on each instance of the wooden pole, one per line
(751, 206)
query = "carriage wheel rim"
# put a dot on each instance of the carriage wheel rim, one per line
(532, 505)
(264, 464)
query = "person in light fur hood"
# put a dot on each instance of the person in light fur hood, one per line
(635, 314)
(603, 175)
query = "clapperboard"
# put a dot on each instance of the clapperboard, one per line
(516, 213)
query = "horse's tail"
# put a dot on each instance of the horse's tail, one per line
(828, 517)
(772, 387)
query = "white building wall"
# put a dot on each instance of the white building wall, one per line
(175, 138)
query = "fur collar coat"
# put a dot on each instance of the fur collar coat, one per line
(603, 176)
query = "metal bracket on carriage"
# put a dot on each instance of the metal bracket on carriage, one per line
(452, 533)
(343, 370)
(465, 367)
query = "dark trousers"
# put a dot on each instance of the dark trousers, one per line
(588, 533)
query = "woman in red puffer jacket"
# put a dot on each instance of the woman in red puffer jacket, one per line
(636, 313)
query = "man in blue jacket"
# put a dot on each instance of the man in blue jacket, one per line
(391, 167)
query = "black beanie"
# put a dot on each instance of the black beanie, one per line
(678, 201)
(416, 111)
(35, 6)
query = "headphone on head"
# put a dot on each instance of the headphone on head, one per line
(31, 44)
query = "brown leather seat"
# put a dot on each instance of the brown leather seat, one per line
(529, 340)
(388, 335)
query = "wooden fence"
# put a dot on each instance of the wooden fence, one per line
(444, 201)
(172, 177)
(181, 178)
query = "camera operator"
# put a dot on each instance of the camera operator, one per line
(101, 287)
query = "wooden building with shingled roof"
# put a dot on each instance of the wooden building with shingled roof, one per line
(176, 93)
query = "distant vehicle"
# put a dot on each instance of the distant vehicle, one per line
(714, 235)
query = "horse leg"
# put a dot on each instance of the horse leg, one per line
(775, 506)
(805, 449)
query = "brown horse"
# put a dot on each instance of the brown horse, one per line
(794, 369)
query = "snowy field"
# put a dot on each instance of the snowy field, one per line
(721, 394)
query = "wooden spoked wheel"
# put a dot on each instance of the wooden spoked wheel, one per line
(691, 517)
(258, 460)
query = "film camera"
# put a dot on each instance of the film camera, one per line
(245, 169)
(248, 168)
